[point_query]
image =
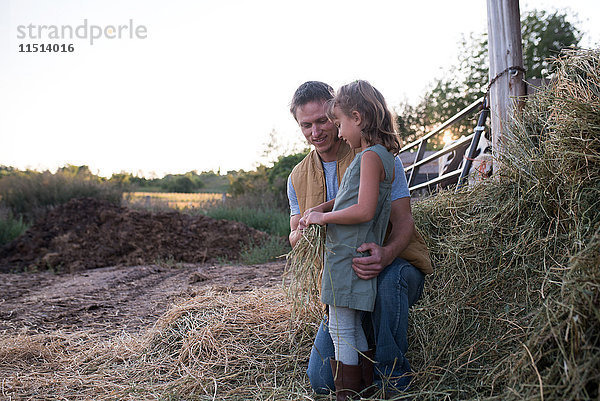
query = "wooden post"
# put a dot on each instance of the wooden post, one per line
(505, 51)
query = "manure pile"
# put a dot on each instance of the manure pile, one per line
(87, 233)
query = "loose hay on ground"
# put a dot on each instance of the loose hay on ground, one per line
(223, 345)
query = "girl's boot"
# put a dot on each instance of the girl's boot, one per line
(365, 361)
(347, 379)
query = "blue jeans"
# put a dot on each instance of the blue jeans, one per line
(399, 286)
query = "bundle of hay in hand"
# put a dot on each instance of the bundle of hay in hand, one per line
(302, 277)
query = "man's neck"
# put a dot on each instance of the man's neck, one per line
(331, 155)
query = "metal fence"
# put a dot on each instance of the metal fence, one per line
(460, 173)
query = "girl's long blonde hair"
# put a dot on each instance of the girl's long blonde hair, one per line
(377, 121)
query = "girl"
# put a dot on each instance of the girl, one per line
(359, 214)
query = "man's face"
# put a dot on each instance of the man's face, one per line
(315, 126)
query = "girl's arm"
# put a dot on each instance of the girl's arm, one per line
(371, 174)
(323, 207)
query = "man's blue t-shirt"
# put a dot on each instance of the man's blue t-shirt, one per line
(399, 185)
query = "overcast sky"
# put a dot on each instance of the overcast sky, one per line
(205, 82)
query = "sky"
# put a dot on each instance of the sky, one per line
(202, 85)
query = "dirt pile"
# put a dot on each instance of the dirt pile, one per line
(87, 233)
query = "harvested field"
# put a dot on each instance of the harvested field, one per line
(173, 200)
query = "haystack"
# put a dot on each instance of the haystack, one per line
(513, 309)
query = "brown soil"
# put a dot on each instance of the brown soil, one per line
(87, 233)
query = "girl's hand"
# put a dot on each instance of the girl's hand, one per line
(311, 217)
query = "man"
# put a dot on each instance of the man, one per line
(399, 283)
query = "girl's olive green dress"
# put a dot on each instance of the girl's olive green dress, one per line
(340, 286)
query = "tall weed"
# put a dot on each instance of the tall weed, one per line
(30, 194)
(268, 251)
(10, 227)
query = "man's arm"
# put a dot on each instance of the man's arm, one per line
(403, 227)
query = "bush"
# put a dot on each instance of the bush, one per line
(10, 228)
(183, 183)
(30, 194)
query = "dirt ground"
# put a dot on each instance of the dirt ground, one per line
(109, 300)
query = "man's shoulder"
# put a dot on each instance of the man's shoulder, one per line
(303, 165)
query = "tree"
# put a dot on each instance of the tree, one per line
(184, 183)
(121, 180)
(76, 171)
(544, 35)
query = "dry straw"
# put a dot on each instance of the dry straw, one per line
(302, 278)
(216, 346)
(512, 311)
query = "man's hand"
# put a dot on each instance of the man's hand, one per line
(402, 230)
(294, 237)
(369, 267)
(295, 232)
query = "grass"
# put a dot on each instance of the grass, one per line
(272, 249)
(11, 228)
(164, 200)
(271, 221)
(263, 217)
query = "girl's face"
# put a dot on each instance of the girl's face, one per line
(348, 127)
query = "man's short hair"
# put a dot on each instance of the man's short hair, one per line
(310, 91)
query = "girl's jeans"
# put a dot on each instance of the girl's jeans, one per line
(399, 286)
